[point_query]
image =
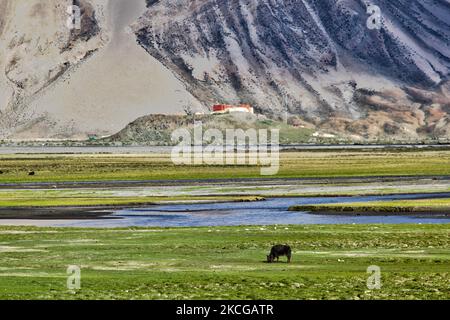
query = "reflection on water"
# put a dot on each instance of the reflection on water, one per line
(269, 212)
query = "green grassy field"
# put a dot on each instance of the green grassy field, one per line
(54, 168)
(398, 206)
(93, 197)
(329, 262)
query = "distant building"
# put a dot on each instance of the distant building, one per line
(226, 108)
(323, 135)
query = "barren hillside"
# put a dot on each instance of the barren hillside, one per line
(316, 58)
(321, 60)
(58, 83)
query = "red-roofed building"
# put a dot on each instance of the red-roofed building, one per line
(227, 108)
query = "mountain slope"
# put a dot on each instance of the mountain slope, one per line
(316, 58)
(71, 84)
(37, 49)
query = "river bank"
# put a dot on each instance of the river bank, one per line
(271, 211)
(152, 180)
(438, 207)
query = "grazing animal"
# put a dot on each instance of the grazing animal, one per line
(279, 251)
(1, 172)
(31, 173)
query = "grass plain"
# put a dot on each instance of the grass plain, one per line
(56, 168)
(329, 262)
(94, 197)
(391, 207)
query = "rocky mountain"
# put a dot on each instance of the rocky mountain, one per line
(322, 59)
(356, 68)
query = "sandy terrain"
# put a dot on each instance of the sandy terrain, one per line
(37, 48)
(117, 85)
(113, 87)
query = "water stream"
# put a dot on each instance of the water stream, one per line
(269, 212)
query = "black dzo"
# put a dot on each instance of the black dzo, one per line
(279, 251)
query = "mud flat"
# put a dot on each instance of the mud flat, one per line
(94, 212)
(374, 210)
(371, 212)
(58, 213)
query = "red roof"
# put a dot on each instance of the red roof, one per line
(223, 107)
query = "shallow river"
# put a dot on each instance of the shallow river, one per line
(269, 212)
